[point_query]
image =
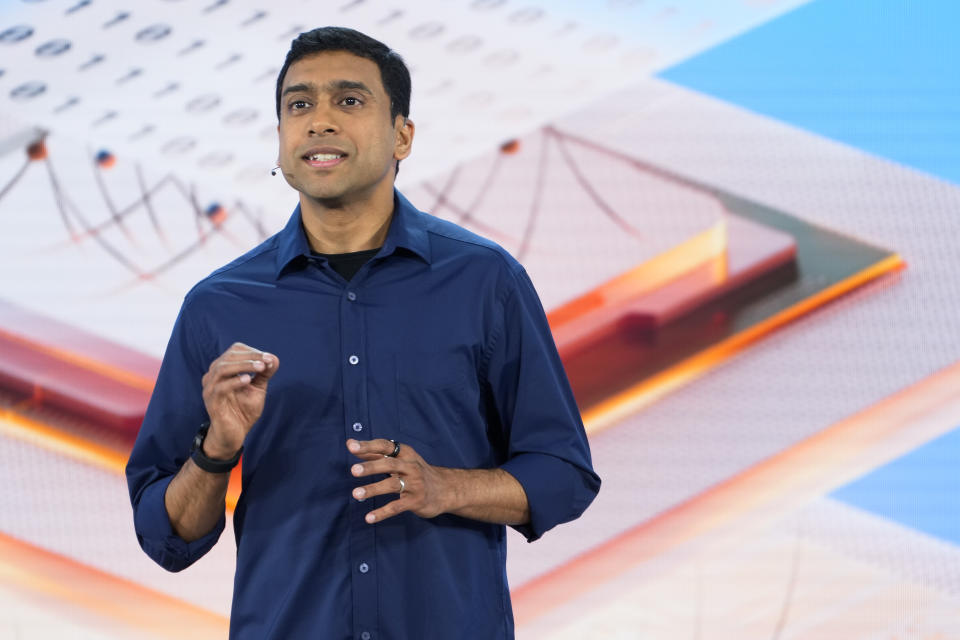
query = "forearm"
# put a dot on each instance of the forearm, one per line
(489, 495)
(195, 501)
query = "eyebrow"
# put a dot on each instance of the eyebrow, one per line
(333, 85)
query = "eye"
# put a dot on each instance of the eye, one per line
(351, 101)
(296, 105)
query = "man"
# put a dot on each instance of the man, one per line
(389, 378)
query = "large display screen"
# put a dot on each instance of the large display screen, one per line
(741, 217)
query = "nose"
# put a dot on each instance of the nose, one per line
(323, 123)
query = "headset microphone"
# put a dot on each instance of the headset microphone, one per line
(273, 171)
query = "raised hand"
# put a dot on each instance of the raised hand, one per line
(234, 390)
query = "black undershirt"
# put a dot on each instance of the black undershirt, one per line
(347, 264)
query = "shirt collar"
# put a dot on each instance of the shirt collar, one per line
(407, 231)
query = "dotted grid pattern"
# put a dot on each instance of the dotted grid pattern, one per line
(761, 402)
(796, 382)
(842, 356)
(188, 118)
(575, 216)
(879, 541)
(178, 83)
(758, 578)
(113, 251)
(27, 616)
(81, 512)
(823, 367)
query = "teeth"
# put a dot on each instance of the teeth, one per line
(323, 157)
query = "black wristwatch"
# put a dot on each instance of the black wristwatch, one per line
(210, 464)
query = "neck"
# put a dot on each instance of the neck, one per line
(338, 227)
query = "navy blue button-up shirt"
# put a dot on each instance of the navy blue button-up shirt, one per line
(439, 342)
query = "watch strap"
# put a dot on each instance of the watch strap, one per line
(210, 465)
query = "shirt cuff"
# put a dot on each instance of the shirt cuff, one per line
(549, 483)
(156, 535)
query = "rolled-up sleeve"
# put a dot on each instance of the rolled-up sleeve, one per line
(547, 446)
(163, 445)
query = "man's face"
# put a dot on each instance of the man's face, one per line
(338, 143)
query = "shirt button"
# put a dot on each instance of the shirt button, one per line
(353, 359)
(364, 567)
(357, 427)
(365, 635)
(351, 296)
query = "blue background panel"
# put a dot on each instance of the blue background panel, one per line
(920, 489)
(880, 75)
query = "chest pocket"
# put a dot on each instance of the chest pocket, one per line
(436, 395)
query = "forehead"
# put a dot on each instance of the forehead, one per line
(321, 68)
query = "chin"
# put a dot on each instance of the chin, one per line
(320, 192)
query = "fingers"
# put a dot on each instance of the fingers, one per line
(226, 377)
(377, 448)
(420, 490)
(389, 510)
(381, 465)
(240, 359)
(270, 365)
(390, 485)
(240, 351)
(378, 466)
(234, 390)
(225, 369)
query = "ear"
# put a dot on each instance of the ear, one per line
(403, 137)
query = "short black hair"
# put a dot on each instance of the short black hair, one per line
(393, 71)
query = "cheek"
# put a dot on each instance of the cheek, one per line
(286, 138)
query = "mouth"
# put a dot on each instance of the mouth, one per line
(324, 158)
